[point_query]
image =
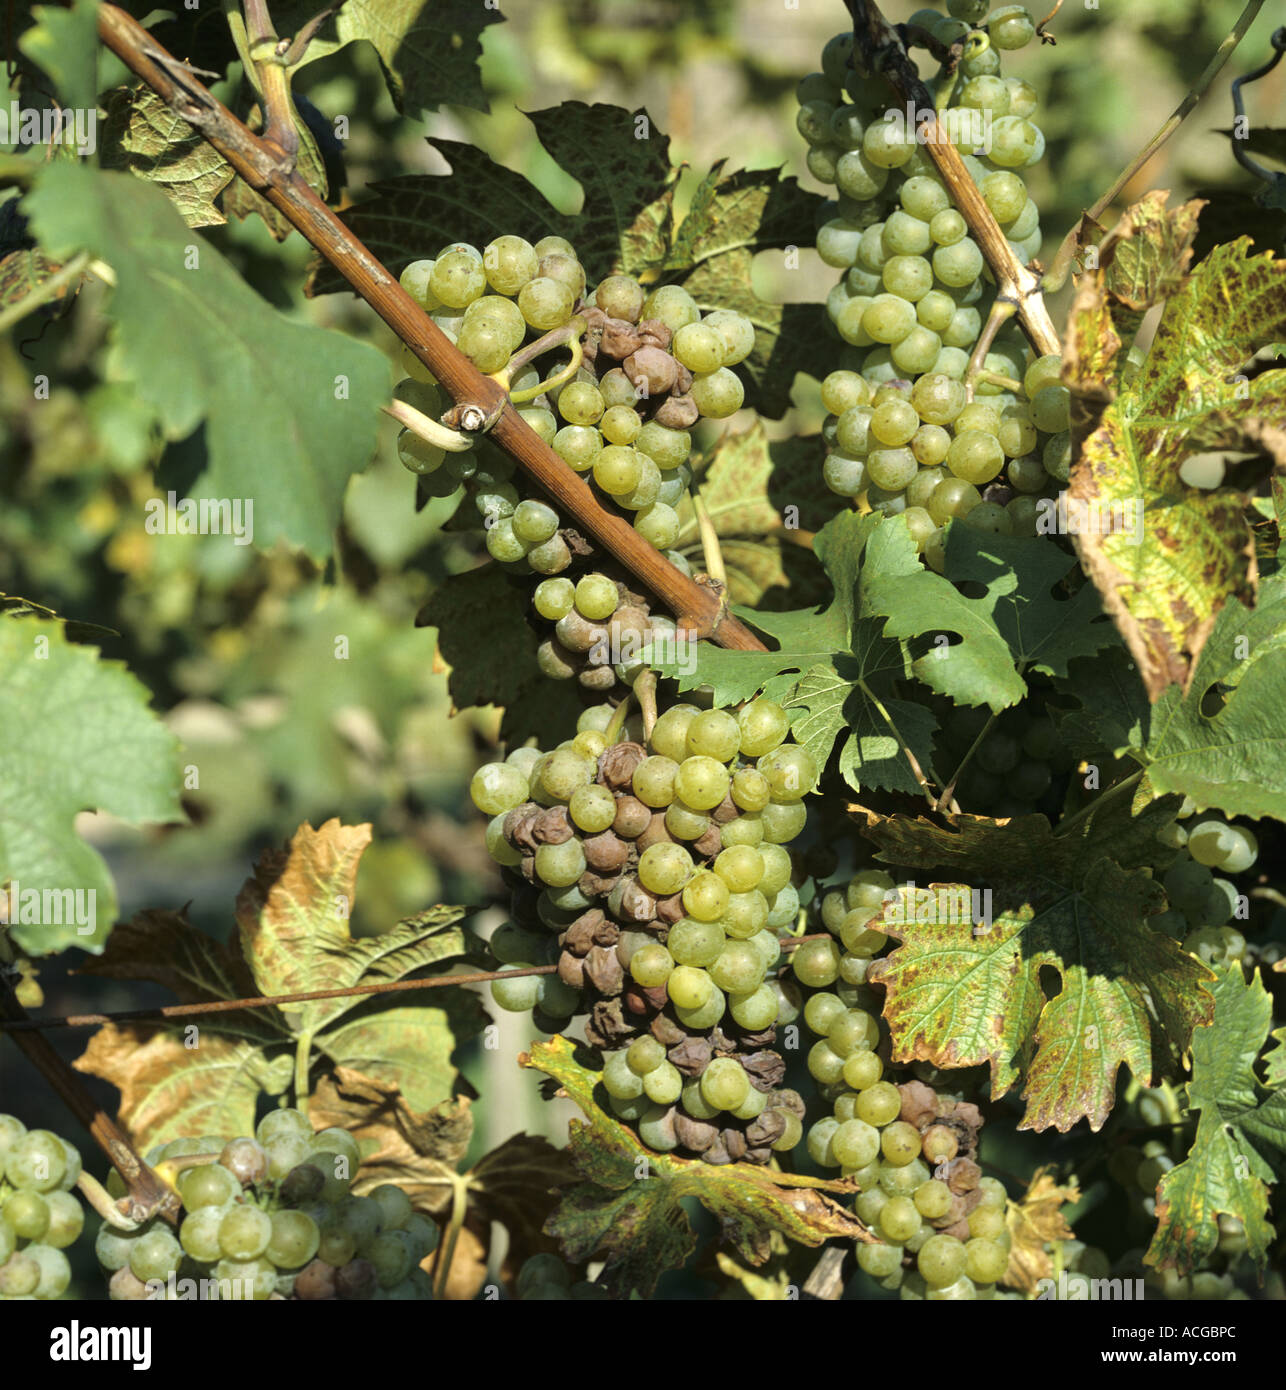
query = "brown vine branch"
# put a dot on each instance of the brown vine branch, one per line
(148, 1195)
(882, 51)
(19, 1024)
(1074, 240)
(273, 176)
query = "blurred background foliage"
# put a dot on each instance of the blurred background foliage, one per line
(239, 647)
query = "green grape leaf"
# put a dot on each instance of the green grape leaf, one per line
(732, 219)
(624, 224)
(12, 606)
(170, 1090)
(762, 498)
(833, 666)
(78, 736)
(1223, 742)
(145, 136)
(1167, 557)
(1275, 1061)
(1231, 1163)
(429, 53)
(313, 394)
(502, 670)
(64, 43)
(628, 1208)
(965, 986)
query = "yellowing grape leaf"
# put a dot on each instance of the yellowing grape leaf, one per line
(170, 1090)
(144, 135)
(1033, 1221)
(293, 916)
(965, 986)
(76, 734)
(1241, 1135)
(1167, 557)
(628, 1208)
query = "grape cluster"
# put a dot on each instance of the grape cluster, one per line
(39, 1215)
(910, 1147)
(652, 365)
(1203, 904)
(656, 877)
(904, 432)
(272, 1216)
(1013, 768)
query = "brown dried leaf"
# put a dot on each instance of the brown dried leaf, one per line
(1033, 1221)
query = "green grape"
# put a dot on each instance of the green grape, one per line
(244, 1234)
(643, 1055)
(900, 1143)
(894, 421)
(986, 93)
(66, 1220)
(862, 1069)
(596, 596)
(553, 598)
(509, 262)
(905, 235)
(889, 318)
(790, 770)
(592, 809)
(457, 279)
(887, 143)
(749, 790)
(953, 497)
(36, 1161)
(545, 303)
(892, 469)
(821, 1011)
(566, 270)
(621, 297)
(985, 1261)
(664, 1084)
(740, 867)
(1011, 27)
(1026, 224)
(658, 525)
(816, 963)
(837, 244)
(27, 1214)
(1057, 456)
(1015, 142)
(718, 394)
(941, 1261)
(854, 172)
(747, 914)
(852, 430)
(210, 1185)
(917, 352)
(54, 1271)
(620, 425)
(959, 264)
(702, 782)
(689, 987)
(975, 456)
(560, 866)
(578, 446)
(651, 965)
(922, 198)
(157, 1253)
(879, 1104)
(781, 822)
(947, 227)
(666, 447)
(1005, 195)
(1017, 434)
(581, 403)
(415, 281)
(673, 305)
(700, 347)
(664, 868)
(739, 968)
(855, 1144)
(519, 995)
(898, 1219)
(1051, 409)
(954, 362)
(713, 733)
(653, 781)
(853, 1031)
(777, 868)
(935, 311)
(756, 1010)
(842, 390)
(724, 1084)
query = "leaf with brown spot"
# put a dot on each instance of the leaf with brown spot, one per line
(638, 1225)
(1034, 1220)
(1167, 557)
(1075, 903)
(169, 1091)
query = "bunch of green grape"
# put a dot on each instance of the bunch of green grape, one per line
(657, 878)
(549, 1279)
(601, 627)
(1202, 903)
(940, 1225)
(1013, 768)
(902, 432)
(273, 1216)
(39, 1215)
(653, 365)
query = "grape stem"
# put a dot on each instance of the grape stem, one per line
(883, 51)
(274, 177)
(949, 792)
(1001, 312)
(429, 429)
(1098, 802)
(1074, 241)
(645, 690)
(446, 1251)
(303, 1060)
(617, 722)
(280, 130)
(916, 770)
(709, 539)
(104, 1203)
